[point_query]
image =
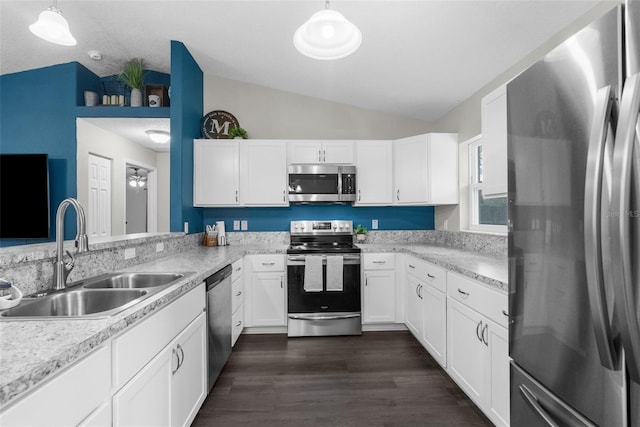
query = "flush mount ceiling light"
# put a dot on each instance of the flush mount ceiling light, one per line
(52, 27)
(327, 35)
(158, 136)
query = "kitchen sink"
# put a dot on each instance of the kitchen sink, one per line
(131, 280)
(96, 297)
(77, 303)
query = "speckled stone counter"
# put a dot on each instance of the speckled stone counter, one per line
(490, 270)
(32, 350)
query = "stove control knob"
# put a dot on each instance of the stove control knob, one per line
(346, 226)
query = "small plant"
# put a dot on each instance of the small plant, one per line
(235, 132)
(360, 229)
(133, 74)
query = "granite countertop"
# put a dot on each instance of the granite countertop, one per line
(31, 350)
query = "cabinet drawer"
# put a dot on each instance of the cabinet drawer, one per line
(137, 346)
(68, 398)
(237, 324)
(379, 261)
(267, 262)
(486, 301)
(236, 295)
(427, 273)
(236, 272)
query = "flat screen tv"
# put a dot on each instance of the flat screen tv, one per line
(24, 196)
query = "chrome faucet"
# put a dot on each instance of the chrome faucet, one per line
(61, 269)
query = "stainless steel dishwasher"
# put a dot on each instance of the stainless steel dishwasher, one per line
(219, 322)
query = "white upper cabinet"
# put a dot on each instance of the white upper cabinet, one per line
(425, 169)
(494, 143)
(315, 151)
(374, 168)
(216, 172)
(263, 177)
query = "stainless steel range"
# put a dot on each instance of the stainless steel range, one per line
(323, 279)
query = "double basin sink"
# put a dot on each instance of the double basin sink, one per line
(101, 296)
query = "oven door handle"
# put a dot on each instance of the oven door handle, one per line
(327, 317)
(300, 260)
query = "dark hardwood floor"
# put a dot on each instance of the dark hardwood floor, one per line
(377, 379)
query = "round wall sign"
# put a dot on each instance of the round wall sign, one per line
(217, 124)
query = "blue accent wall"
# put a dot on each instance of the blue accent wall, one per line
(277, 219)
(37, 115)
(187, 104)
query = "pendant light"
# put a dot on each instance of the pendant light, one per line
(136, 180)
(327, 35)
(52, 27)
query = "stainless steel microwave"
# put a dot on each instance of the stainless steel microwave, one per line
(322, 183)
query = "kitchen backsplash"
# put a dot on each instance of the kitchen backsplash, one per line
(30, 267)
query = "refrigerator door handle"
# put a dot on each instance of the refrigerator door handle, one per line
(626, 163)
(594, 204)
(531, 399)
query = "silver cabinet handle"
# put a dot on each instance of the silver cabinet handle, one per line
(239, 268)
(398, 194)
(175, 353)
(319, 155)
(359, 196)
(236, 195)
(281, 282)
(239, 323)
(626, 166)
(365, 280)
(504, 313)
(284, 195)
(593, 206)
(324, 155)
(466, 294)
(485, 335)
(268, 264)
(239, 293)
(431, 276)
(478, 328)
(418, 290)
(379, 262)
(531, 399)
(411, 266)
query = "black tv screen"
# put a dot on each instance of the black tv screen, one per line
(24, 196)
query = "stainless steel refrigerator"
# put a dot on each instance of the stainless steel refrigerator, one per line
(574, 229)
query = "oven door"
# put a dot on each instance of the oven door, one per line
(301, 301)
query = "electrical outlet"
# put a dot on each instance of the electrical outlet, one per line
(374, 224)
(129, 253)
(446, 224)
(244, 225)
(186, 227)
(159, 247)
(236, 225)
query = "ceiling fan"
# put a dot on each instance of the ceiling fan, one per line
(136, 180)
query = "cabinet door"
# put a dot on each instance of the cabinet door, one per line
(189, 382)
(268, 299)
(379, 296)
(466, 353)
(337, 152)
(497, 399)
(146, 399)
(374, 161)
(305, 151)
(494, 142)
(409, 169)
(216, 173)
(264, 173)
(434, 326)
(413, 306)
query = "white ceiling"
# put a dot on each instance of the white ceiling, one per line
(418, 59)
(133, 129)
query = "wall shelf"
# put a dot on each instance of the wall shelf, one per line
(117, 111)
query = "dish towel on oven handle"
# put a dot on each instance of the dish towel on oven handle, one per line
(313, 273)
(334, 273)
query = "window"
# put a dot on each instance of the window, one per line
(486, 214)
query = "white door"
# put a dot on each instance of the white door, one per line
(410, 170)
(337, 152)
(268, 299)
(305, 151)
(375, 172)
(99, 209)
(434, 327)
(413, 306)
(379, 296)
(216, 173)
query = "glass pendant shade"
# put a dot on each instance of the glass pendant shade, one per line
(327, 35)
(52, 27)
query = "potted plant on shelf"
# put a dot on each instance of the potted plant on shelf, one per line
(133, 76)
(238, 133)
(361, 232)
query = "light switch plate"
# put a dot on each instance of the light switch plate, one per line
(129, 253)
(236, 225)
(374, 224)
(244, 226)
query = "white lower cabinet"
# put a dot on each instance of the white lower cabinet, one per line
(379, 289)
(237, 301)
(265, 297)
(434, 330)
(68, 398)
(477, 345)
